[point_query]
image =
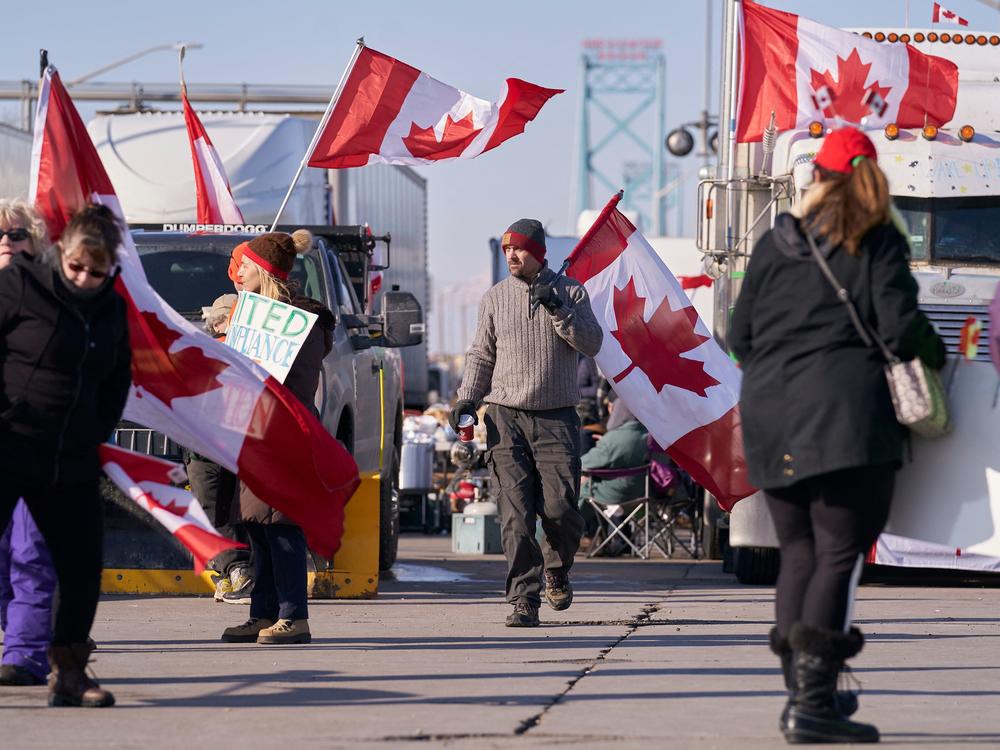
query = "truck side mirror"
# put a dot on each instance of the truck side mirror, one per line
(402, 320)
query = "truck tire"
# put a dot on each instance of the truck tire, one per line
(756, 565)
(388, 518)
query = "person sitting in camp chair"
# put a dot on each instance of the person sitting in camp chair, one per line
(620, 449)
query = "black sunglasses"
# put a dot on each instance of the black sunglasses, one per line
(16, 235)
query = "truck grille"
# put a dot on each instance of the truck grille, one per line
(141, 439)
(949, 319)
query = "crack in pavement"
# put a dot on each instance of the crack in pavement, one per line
(641, 619)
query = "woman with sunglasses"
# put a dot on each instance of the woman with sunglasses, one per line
(278, 610)
(27, 578)
(66, 370)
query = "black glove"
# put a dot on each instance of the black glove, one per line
(545, 295)
(462, 407)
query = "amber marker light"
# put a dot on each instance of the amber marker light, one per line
(932, 37)
(945, 37)
(980, 40)
(905, 38)
(879, 37)
(815, 129)
(966, 133)
(970, 39)
(892, 131)
(929, 132)
(995, 40)
(919, 36)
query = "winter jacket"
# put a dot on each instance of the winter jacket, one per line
(620, 448)
(302, 380)
(530, 363)
(66, 367)
(814, 397)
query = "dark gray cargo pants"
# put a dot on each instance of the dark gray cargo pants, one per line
(535, 461)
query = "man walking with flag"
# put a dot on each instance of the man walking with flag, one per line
(523, 364)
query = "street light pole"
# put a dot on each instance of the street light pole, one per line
(134, 56)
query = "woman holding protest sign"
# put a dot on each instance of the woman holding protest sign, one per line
(66, 369)
(278, 608)
(819, 428)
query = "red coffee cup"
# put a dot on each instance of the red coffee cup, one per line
(466, 423)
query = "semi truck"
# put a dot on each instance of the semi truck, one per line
(945, 183)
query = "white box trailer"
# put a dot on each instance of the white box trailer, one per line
(15, 162)
(393, 199)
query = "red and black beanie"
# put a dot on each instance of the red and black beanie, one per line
(275, 251)
(526, 234)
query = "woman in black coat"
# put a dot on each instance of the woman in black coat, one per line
(66, 364)
(819, 429)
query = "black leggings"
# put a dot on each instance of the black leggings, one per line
(70, 518)
(826, 524)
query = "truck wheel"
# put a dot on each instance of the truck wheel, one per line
(756, 565)
(388, 536)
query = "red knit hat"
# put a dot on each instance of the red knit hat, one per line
(843, 148)
(526, 234)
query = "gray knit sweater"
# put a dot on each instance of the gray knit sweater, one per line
(530, 363)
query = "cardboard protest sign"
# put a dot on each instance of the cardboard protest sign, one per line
(269, 332)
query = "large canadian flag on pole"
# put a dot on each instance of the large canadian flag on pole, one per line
(388, 111)
(804, 71)
(215, 197)
(152, 485)
(660, 357)
(185, 384)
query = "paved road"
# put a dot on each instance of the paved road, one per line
(652, 654)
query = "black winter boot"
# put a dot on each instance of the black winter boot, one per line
(847, 700)
(813, 714)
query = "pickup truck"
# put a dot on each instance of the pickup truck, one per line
(360, 396)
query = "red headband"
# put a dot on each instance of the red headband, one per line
(523, 241)
(270, 268)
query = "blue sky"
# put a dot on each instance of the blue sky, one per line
(473, 46)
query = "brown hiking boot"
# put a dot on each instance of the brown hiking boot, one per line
(558, 590)
(247, 632)
(524, 616)
(69, 683)
(286, 631)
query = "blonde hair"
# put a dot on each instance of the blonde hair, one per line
(279, 289)
(842, 208)
(23, 213)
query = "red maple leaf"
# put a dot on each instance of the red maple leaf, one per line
(178, 510)
(849, 89)
(165, 374)
(655, 346)
(423, 142)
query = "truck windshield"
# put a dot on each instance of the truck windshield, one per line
(192, 274)
(950, 230)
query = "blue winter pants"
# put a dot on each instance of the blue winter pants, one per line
(279, 587)
(27, 585)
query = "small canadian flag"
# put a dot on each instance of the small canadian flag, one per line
(943, 15)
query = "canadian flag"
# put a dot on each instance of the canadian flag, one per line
(943, 15)
(391, 112)
(152, 484)
(185, 384)
(804, 71)
(215, 197)
(660, 357)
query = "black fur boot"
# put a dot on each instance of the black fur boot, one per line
(813, 714)
(847, 700)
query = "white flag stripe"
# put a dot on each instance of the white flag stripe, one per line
(673, 412)
(217, 188)
(824, 49)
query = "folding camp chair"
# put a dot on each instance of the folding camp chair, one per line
(637, 512)
(676, 520)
